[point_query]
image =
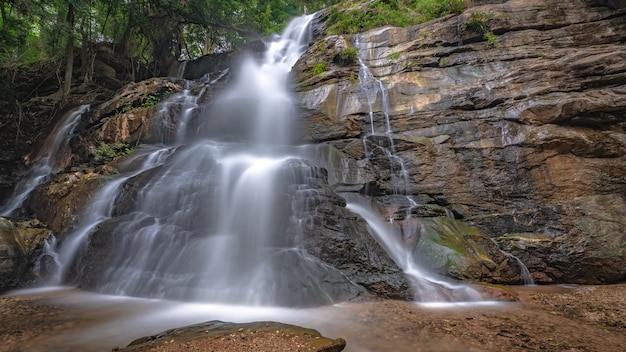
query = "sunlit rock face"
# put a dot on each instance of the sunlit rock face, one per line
(522, 136)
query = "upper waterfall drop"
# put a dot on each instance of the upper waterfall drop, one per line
(259, 108)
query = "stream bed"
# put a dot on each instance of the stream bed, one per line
(553, 318)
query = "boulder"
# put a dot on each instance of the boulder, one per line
(60, 203)
(21, 247)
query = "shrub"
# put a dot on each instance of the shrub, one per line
(492, 39)
(320, 68)
(479, 22)
(109, 151)
(349, 55)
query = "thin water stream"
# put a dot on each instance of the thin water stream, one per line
(48, 160)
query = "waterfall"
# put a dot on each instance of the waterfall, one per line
(525, 275)
(52, 155)
(203, 217)
(228, 210)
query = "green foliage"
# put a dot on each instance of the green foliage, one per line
(149, 100)
(481, 22)
(320, 68)
(433, 9)
(391, 12)
(353, 78)
(349, 55)
(125, 108)
(478, 21)
(492, 39)
(148, 31)
(109, 151)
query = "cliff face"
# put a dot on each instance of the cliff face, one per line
(511, 115)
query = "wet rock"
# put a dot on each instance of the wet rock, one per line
(591, 253)
(450, 247)
(20, 246)
(321, 253)
(60, 203)
(301, 338)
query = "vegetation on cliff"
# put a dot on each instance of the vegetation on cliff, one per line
(355, 17)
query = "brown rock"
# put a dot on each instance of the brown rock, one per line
(524, 137)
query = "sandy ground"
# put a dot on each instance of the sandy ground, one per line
(580, 318)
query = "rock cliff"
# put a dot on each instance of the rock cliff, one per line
(511, 115)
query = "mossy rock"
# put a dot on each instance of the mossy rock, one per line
(452, 248)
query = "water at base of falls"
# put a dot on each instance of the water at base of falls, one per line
(217, 214)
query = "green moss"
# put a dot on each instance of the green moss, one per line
(449, 245)
(394, 56)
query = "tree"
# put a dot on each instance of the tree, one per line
(153, 33)
(69, 52)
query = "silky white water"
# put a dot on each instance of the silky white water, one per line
(198, 220)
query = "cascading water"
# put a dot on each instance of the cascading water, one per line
(51, 154)
(206, 219)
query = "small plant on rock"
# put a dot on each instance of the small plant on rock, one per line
(481, 22)
(109, 151)
(149, 100)
(353, 78)
(320, 68)
(478, 21)
(394, 56)
(349, 55)
(492, 39)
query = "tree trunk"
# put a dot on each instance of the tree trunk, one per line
(40, 42)
(84, 52)
(4, 17)
(69, 52)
